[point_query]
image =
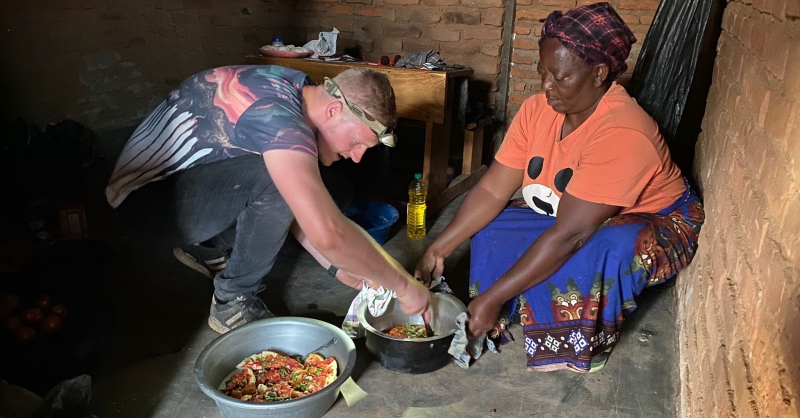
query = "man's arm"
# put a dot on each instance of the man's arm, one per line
(343, 243)
(349, 279)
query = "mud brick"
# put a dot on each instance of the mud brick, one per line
(532, 14)
(483, 33)
(440, 2)
(465, 16)
(526, 74)
(369, 11)
(517, 98)
(563, 5)
(460, 48)
(491, 49)
(526, 44)
(428, 15)
(522, 59)
(446, 35)
(341, 9)
(483, 4)
(493, 17)
(521, 30)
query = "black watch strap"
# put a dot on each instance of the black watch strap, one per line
(332, 270)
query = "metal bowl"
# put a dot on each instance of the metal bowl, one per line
(286, 335)
(419, 355)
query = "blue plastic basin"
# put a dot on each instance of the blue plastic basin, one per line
(375, 217)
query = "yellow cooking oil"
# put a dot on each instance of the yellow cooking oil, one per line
(417, 194)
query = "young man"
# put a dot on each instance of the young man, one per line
(231, 159)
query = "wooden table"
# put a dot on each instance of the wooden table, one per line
(421, 95)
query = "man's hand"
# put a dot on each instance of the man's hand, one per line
(415, 299)
(429, 267)
(483, 315)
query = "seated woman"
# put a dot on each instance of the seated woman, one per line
(606, 213)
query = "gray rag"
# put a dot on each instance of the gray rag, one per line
(419, 59)
(463, 348)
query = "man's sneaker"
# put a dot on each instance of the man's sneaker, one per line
(241, 310)
(191, 258)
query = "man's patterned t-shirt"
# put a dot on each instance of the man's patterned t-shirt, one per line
(214, 115)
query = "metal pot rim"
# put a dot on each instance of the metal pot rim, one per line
(218, 396)
(362, 309)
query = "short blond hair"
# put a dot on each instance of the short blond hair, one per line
(371, 91)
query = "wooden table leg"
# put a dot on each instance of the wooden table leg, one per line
(437, 151)
(457, 187)
(437, 148)
(473, 150)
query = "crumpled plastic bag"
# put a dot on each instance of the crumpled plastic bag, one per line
(325, 46)
(419, 59)
(68, 399)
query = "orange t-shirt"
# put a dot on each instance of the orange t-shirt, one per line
(616, 157)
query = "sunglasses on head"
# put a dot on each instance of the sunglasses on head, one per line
(385, 136)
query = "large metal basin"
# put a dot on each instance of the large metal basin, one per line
(286, 335)
(421, 355)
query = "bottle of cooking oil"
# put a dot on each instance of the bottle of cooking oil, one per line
(417, 193)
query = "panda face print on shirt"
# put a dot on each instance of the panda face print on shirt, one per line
(541, 198)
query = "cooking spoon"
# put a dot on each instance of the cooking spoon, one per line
(428, 329)
(329, 343)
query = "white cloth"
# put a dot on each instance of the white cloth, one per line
(463, 348)
(377, 301)
(325, 46)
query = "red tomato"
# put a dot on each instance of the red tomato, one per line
(13, 325)
(26, 334)
(60, 309)
(44, 302)
(32, 315)
(50, 323)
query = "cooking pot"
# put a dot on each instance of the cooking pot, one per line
(288, 335)
(418, 355)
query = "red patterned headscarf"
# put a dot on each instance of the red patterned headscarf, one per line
(595, 33)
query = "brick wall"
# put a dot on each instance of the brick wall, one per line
(739, 310)
(637, 14)
(467, 32)
(107, 62)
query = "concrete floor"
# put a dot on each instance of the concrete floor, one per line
(159, 328)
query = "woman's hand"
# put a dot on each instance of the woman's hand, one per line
(429, 267)
(483, 315)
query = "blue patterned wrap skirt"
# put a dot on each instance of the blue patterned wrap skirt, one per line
(573, 319)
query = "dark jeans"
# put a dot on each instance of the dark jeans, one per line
(228, 205)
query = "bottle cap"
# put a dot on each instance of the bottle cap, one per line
(418, 175)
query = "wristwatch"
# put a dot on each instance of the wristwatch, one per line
(332, 270)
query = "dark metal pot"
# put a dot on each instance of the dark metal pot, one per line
(421, 355)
